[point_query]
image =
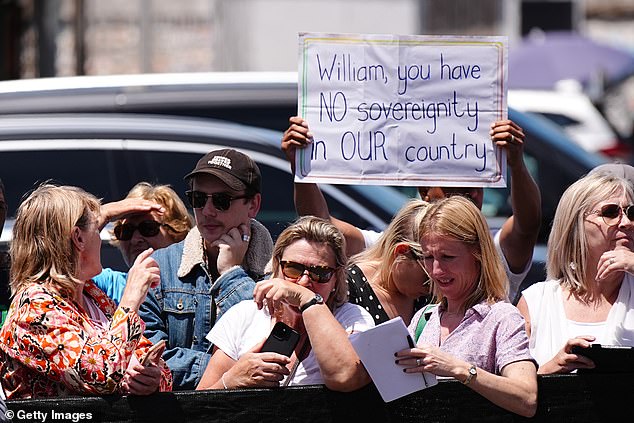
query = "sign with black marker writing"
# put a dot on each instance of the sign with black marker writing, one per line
(402, 110)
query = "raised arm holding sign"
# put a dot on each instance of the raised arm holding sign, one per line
(517, 236)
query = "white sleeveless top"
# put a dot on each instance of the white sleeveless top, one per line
(550, 329)
(582, 328)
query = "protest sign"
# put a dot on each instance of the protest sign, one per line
(402, 110)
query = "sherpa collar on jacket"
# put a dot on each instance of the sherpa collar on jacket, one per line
(255, 260)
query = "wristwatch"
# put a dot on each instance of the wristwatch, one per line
(317, 299)
(473, 372)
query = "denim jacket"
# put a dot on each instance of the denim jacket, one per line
(187, 303)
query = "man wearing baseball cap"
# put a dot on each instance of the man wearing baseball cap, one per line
(213, 268)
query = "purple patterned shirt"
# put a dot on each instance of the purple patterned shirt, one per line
(489, 336)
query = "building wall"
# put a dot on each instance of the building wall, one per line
(133, 36)
(262, 35)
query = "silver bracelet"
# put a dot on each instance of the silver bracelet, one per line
(222, 379)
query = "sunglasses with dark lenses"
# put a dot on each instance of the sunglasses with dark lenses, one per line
(220, 200)
(611, 213)
(147, 228)
(294, 270)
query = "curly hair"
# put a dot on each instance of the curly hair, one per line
(176, 217)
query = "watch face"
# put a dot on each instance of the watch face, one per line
(317, 299)
(473, 371)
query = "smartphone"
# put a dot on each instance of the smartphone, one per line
(154, 353)
(607, 358)
(282, 340)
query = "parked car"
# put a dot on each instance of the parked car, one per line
(107, 154)
(90, 105)
(577, 115)
(262, 99)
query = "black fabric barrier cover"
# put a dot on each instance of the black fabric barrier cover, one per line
(562, 398)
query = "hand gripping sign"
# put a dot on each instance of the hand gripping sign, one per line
(402, 110)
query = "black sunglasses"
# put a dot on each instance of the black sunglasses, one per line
(220, 200)
(147, 228)
(294, 270)
(611, 213)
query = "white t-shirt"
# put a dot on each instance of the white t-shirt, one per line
(243, 326)
(515, 279)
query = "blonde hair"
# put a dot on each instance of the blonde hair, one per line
(42, 249)
(458, 218)
(403, 228)
(317, 230)
(175, 216)
(567, 242)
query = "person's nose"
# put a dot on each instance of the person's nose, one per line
(210, 209)
(624, 221)
(436, 269)
(304, 280)
(136, 236)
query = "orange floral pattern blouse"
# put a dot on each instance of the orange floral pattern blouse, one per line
(50, 347)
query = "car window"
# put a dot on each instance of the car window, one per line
(560, 119)
(109, 174)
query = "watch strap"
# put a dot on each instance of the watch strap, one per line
(317, 299)
(473, 372)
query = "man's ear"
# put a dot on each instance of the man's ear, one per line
(78, 239)
(254, 206)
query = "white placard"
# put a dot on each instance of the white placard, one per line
(402, 110)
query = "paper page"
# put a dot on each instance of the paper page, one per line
(376, 347)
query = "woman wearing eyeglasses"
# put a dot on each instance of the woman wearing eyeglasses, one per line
(139, 227)
(308, 292)
(588, 296)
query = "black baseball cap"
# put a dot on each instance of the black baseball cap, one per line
(235, 169)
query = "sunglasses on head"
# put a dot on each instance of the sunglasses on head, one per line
(220, 200)
(294, 270)
(611, 213)
(147, 228)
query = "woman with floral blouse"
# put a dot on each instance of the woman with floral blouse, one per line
(63, 336)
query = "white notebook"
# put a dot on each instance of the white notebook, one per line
(376, 347)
